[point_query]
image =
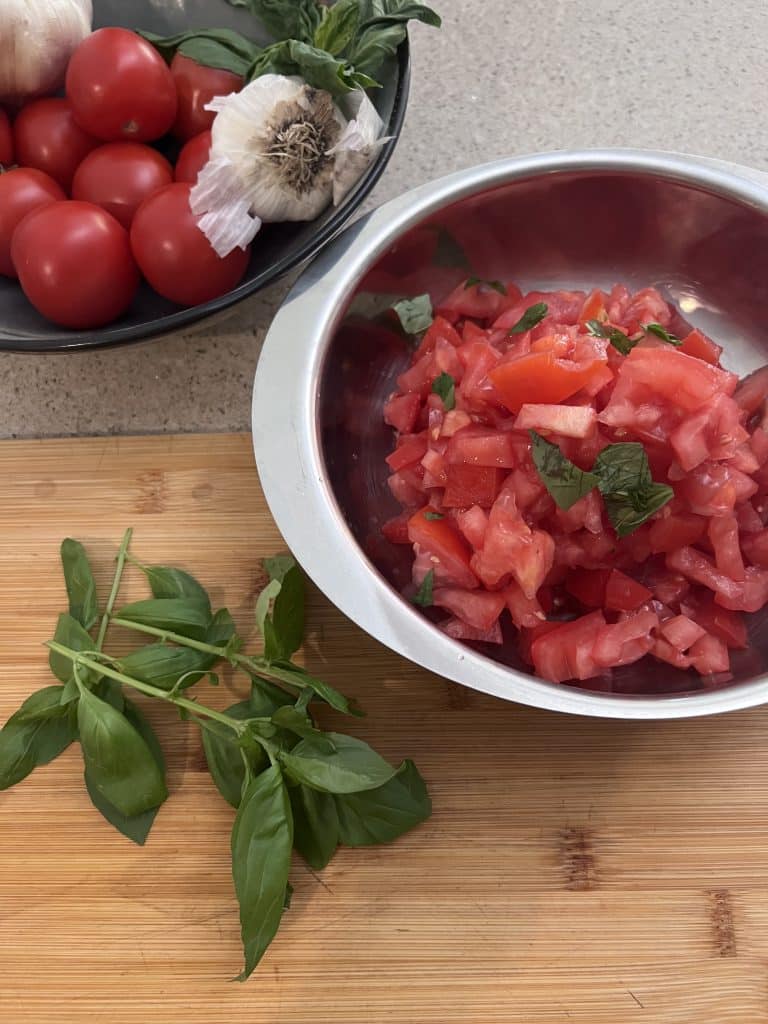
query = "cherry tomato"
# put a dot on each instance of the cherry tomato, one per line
(175, 256)
(75, 265)
(6, 140)
(120, 87)
(196, 85)
(47, 137)
(193, 157)
(120, 176)
(22, 191)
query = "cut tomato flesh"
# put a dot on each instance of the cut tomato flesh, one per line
(541, 378)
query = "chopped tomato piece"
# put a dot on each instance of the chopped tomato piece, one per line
(473, 522)
(728, 626)
(526, 612)
(676, 531)
(449, 551)
(439, 329)
(698, 345)
(724, 538)
(471, 485)
(565, 652)
(478, 446)
(752, 391)
(623, 594)
(625, 641)
(541, 377)
(588, 586)
(410, 450)
(402, 411)
(594, 307)
(567, 420)
(682, 632)
(708, 655)
(479, 609)
(461, 631)
(396, 529)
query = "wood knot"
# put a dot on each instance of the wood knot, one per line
(723, 925)
(151, 497)
(578, 859)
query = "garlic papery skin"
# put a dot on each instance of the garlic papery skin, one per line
(271, 159)
(37, 38)
(359, 143)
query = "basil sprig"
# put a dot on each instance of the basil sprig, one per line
(292, 785)
(622, 342)
(530, 318)
(415, 315)
(621, 473)
(445, 387)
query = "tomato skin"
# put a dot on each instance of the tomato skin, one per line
(75, 265)
(541, 378)
(21, 191)
(46, 136)
(6, 140)
(120, 87)
(120, 176)
(193, 158)
(196, 85)
(441, 539)
(175, 256)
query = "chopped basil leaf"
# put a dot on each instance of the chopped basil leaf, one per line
(622, 467)
(445, 387)
(532, 316)
(434, 515)
(628, 511)
(620, 341)
(497, 286)
(659, 331)
(414, 314)
(565, 482)
(423, 595)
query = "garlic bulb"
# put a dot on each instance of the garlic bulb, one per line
(281, 151)
(37, 38)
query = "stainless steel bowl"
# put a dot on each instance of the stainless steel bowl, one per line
(696, 229)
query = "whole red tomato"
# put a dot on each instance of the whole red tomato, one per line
(193, 157)
(120, 176)
(120, 87)
(175, 256)
(6, 139)
(22, 191)
(47, 137)
(75, 265)
(196, 85)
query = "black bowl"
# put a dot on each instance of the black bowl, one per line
(278, 248)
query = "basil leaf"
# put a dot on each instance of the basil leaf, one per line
(497, 286)
(118, 761)
(294, 721)
(423, 596)
(262, 838)
(415, 314)
(628, 511)
(163, 665)
(622, 468)
(620, 341)
(266, 698)
(353, 767)
(565, 482)
(532, 316)
(187, 616)
(286, 588)
(221, 629)
(285, 19)
(383, 28)
(138, 827)
(318, 68)
(111, 691)
(81, 586)
(315, 825)
(224, 755)
(36, 734)
(213, 48)
(381, 815)
(434, 515)
(659, 331)
(167, 582)
(338, 27)
(445, 386)
(296, 676)
(70, 634)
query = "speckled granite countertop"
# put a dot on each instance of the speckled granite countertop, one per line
(503, 77)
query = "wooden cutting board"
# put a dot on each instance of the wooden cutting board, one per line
(574, 870)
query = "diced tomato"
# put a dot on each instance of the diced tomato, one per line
(473, 522)
(756, 548)
(686, 382)
(625, 641)
(752, 593)
(728, 626)
(665, 651)
(586, 513)
(724, 538)
(529, 635)
(682, 632)
(749, 522)
(479, 357)
(759, 445)
(623, 594)
(594, 307)
(568, 420)
(479, 609)
(676, 531)
(418, 379)
(700, 569)
(435, 469)
(565, 652)
(454, 421)
(480, 301)
(541, 378)
(511, 548)
(588, 586)
(708, 655)
(448, 549)
(670, 588)
(461, 631)
(410, 450)
(401, 412)
(713, 489)
(477, 446)
(396, 529)
(405, 490)
(471, 485)
(440, 328)
(526, 612)
(698, 345)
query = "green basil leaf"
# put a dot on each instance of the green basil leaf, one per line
(119, 763)
(285, 19)
(294, 721)
(532, 316)
(138, 827)
(111, 691)
(620, 341)
(264, 603)
(383, 28)
(659, 331)
(628, 511)
(266, 698)
(423, 596)
(36, 734)
(315, 825)
(622, 467)
(221, 632)
(220, 48)
(262, 838)
(434, 515)
(69, 633)
(496, 286)
(187, 616)
(318, 68)
(565, 482)
(353, 767)
(167, 582)
(163, 665)
(81, 586)
(415, 315)
(445, 386)
(381, 815)
(296, 676)
(224, 756)
(286, 588)
(338, 27)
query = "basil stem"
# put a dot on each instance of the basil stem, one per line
(121, 557)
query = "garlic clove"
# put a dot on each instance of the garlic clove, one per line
(359, 143)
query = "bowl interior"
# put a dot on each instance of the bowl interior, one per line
(706, 252)
(278, 247)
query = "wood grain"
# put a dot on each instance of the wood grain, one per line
(574, 870)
